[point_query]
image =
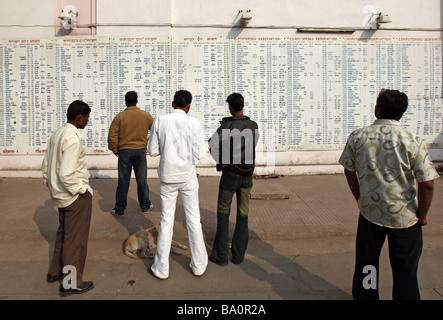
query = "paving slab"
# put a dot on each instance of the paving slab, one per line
(300, 248)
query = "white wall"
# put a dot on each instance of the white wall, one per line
(29, 18)
(36, 19)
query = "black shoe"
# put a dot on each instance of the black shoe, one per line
(116, 212)
(147, 210)
(220, 263)
(86, 286)
(51, 279)
(237, 261)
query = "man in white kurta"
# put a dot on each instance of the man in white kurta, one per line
(178, 139)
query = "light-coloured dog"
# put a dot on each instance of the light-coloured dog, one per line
(145, 240)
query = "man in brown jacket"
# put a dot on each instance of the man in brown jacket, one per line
(127, 139)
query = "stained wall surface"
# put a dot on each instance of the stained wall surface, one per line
(310, 72)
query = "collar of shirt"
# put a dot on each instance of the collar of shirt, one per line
(232, 118)
(179, 111)
(74, 128)
(390, 122)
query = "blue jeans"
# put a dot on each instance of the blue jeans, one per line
(128, 159)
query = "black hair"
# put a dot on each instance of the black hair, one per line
(131, 98)
(236, 101)
(182, 98)
(392, 104)
(76, 108)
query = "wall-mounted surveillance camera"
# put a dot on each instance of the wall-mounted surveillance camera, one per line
(383, 18)
(245, 15)
(69, 15)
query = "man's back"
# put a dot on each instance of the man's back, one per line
(388, 159)
(129, 129)
(233, 144)
(179, 139)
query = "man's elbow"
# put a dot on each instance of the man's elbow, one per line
(427, 185)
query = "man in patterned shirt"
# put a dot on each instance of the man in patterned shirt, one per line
(382, 163)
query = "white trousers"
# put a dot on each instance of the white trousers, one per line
(168, 196)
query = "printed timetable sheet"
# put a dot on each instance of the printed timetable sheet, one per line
(201, 66)
(306, 93)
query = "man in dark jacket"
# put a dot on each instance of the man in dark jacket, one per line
(233, 148)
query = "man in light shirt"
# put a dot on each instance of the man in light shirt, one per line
(383, 162)
(65, 174)
(178, 139)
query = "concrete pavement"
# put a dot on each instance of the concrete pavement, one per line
(302, 232)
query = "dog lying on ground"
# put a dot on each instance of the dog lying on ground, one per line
(145, 240)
